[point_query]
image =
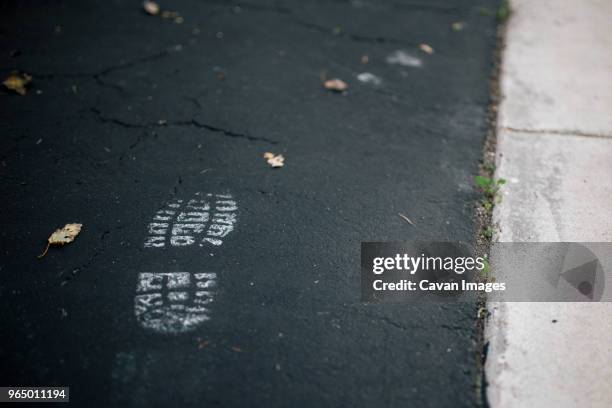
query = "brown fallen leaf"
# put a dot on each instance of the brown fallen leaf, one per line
(17, 82)
(336, 85)
(274, 160)
(203, 343)
(151, 7)
(408, 220)
(62, 236)
(426, 48)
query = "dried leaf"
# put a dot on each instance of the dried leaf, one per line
(17, 82)
(335, 84)
(426, 48)
(151, 7)
(274, 160)
(62, 236)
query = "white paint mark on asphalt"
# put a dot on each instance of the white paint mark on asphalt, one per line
(369, 78)
(403, 58)
(223, 220)
(206, 219)
(173, 302)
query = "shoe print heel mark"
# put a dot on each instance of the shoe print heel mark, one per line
(173, 302)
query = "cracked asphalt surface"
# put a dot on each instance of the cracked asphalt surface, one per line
(128, 111)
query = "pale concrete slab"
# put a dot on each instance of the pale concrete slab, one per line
(559, 187)
(552, 354)
(557, 66)
(549, 355)
(554, 149)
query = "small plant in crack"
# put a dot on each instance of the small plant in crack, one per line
(488, 232)
(504, 11)
(490, 189)
(485, 273)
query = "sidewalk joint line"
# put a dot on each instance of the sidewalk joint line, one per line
(558, 132)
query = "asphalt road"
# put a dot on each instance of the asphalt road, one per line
(129, 112)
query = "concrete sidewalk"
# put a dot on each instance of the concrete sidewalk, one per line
(555, 150)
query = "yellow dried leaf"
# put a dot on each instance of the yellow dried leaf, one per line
(151, 7)
(17, 82)
(274, 160)
(426, 48)
(335, 84)
(62, 236)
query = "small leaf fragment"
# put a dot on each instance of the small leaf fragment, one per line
(62, 236)
(336, 85)
(426, 48)
(482, 181)
(458, 25)
(17, 82)
(274, 160)
(151, 7)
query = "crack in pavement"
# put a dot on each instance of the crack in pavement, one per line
(345, 34)
(393, 323)
(187, 123)
(321, 28)
(130, 64)
(98, 76)
(98, 250)
(558, 132)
